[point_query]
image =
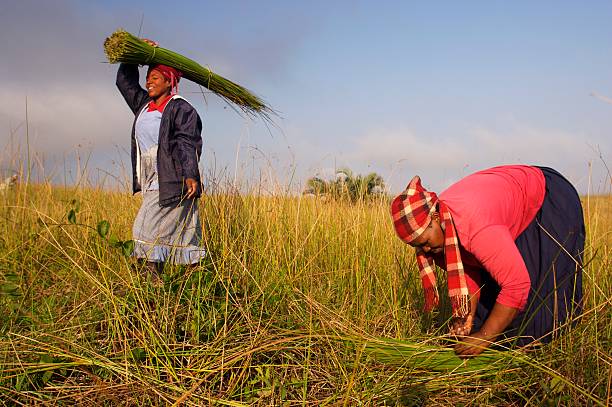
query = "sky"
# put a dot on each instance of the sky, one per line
(438, 89)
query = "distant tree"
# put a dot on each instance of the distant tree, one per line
(347, 185)
(316, 186)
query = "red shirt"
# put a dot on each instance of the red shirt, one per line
(490, 209)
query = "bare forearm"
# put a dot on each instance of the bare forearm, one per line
(500, 317)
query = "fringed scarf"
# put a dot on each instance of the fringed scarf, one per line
(411, 211)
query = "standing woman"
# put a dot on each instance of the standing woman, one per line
(511, 240)
(166, 146)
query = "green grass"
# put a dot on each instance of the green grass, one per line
(300, 302)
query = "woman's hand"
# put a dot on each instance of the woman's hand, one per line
(500, 317)
(150, 42)
(472, 345)
(461, 326)
(192, 187)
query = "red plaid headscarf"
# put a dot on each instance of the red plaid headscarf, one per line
(411, 211)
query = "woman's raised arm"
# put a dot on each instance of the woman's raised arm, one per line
(129, 86)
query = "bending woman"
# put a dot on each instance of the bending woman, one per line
(166, 146)
(511, 240)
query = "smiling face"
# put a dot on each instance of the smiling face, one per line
(432, 239)
(157, 85)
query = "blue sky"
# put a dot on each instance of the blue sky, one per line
(401, 88)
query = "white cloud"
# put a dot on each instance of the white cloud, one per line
(400, 153)
(61, 118)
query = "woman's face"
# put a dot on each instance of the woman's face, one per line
(157, 85)
(432, 239)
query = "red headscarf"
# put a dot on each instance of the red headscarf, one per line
(411, 211)
(168, 72)
(171, 74)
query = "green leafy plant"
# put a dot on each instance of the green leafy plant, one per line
(103, 228)
(71, 214)
(126, 246)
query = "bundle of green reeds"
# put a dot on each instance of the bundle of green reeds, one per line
(122, 46)
(430, 357)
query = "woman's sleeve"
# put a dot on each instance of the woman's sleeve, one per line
(129, 86)
(495, 249)
(188, 134)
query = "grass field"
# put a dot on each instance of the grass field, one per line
(301, 302)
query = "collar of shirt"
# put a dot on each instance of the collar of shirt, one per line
(160, 107)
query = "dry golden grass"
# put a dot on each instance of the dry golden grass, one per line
(283, 312)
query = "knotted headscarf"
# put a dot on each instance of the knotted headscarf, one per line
(412, 211)
(168, 72)
(171, 74)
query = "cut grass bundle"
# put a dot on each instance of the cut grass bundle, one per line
(436, 358)
(122, 46)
